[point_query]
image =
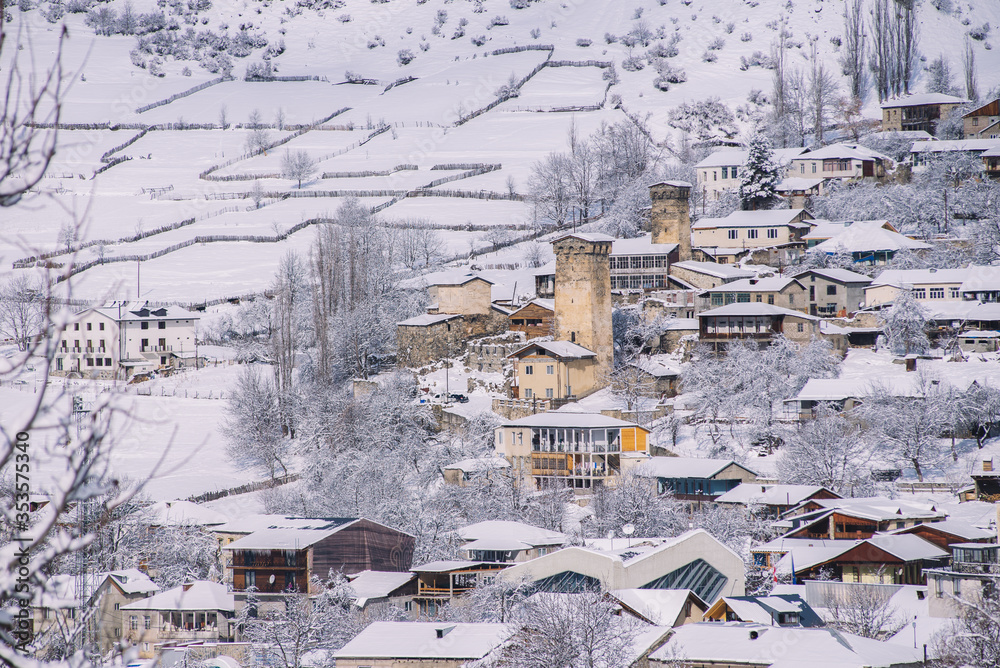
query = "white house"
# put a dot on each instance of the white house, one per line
(841, 161)
(723, 169)
(120, 339)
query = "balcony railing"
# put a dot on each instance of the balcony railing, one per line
(156, 349)
(251, 559)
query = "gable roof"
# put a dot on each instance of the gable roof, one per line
(991, 108)
(769, 284)
(868, 236)
(547, 304)
(131, 581)
(122, 311)
(686, 467)
(837, 275)
(955, 145)
(252, 523)
(760, 218)
(825, 229)
(296, 538)
(560, 349)
(567, 419)
(660, 607)
(765, 609)
(957, 528)
(919, 99)
(454, 278)
(737, 156)
(428, 319)
(500, 529)
(593, 237)
(425, 640)
(898, 277)
(198, 595)
(755, 308)
(377, 584)
(771, 495)
(844, 152)
(641, 246)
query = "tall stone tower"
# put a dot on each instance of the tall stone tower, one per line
(583, 294)
(669, 218)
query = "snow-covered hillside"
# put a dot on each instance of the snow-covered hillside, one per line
(369, 133)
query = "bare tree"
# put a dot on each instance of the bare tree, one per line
(822, 95)
(829, 450)
(297, 166)
(259, 139)
(865, 610)
(22, 305)
(852, 62)
(975, 640)
(969, 71)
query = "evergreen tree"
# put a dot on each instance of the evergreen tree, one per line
(760, 176)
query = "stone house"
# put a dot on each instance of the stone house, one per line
(834, 291)
(849, 162)
(554, 370)
(756, 321)
(918, 112)
(751, 229)
(462, 472)
(705, 275)
(464, 294)
(780, 290)
(982, 123)
(119, 588)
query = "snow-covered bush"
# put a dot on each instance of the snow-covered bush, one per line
(583, 41)
(520, 4)
(756, 59)
(609, 38)
(499, 21)
(344, 18)
(536, 33)
(375, 42)
(716, 44)
(633, 64)
(730, 27)
(79, 6)
(669, 73)
(425, 46)
(25, 5)
(479, 40)
(705, 120)
(404, 57)
(746, 37)
(53, 13)
(709, 57)
(186, 72)
(981, 32)
(137, 58)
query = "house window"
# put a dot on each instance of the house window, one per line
(772, 234)
(144, 325)
(814, 168)
(801, 327)
(715, 175)
(734, 172)
(717, 299)
(791, 300)
(527, 393)
(725, 172)
(733, 234)
(133, 622)
(89, 326)
(161, 325)
(751, 234)
(937, 293)
(100, 361)
(145, 344)
(831, 289)
(954, 292)
(743, 297)
(146, 622)
(90, 361)
(528, 370)
(118, 633)
(770, 300)
(956, 586)
(59, 364)
(760, 297)
(938, 588)
(548, 393)
(802, 168)
(107, 361)
(100, 326)
(550, 369)
(975, 121)
(76, 326)
(919, 293)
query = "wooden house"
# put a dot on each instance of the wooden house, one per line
(983, 122)
(694, 478)
(536, 318)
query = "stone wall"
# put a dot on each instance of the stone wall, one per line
(583, 296)
(670, 218)
(419, 345)
(490, 354)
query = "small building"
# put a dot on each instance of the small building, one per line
(429, 337)
(919, 112)
(117, 589)
(798, 190)
(949, 533)
(924, 153)
(846, 162)
(974, 572)
(281, 559)
(502, 541)
(925, 285)
(785, 610)
(663, 378)
(536, 318)
(834, 291)
(751, 229)
(972, 341)
(661, 607)
(729, 644)
(773, 500)
(780, 290)
(421, 644)
(554, 370)
(987, 480)
(693, 560)
(545, 281)
(460, 294)
(694, 478)
(723, 169)
(462, 472)
(705, 275)
(380, 587)
(640, 264)
(991, 162)
(440, 583)
(756, 322)
(827, 229)
(582, 451)
(870, 242)
(983, 122)
(194, 611)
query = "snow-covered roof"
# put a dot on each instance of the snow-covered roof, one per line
(919, 99)
(755, 308)
(960, 528)
(377, 584)
(658, 369)
(548, 304)
(122, 311)
(547, 269)
(908, 547)
(674, 183)
(427, 319)
(955, 146)
(712, 269)
(252, 523)
(825, 229)
(454, 278)
(184, 512)
(479, 464)
(131, 581)
(685, 467)
(732, 643)
(640, 246)
(760, 218)
(516, 531)
(446, 565)
(736, 157)
(992, 153)
(425, 640)
(774, 495)
(770, 284)
(981, 278)
(868, 236)
(281, 539)
(564, 349)
(844, 152)
(593, 237)
(906, 135)
(680, 324)
(765, 609)
(570, 420)
(838, 389)
(793, 183)
(838, 275)
(661, 607)
(897, 277)
(198, 595)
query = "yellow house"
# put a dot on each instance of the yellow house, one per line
(577, 450)
(751, 229)
(841, 161)
(554, 370)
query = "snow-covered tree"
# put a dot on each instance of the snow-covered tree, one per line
(634, 500)
(974, 641)
(22, 302)
(830, 450)
(904, 325)
(939, 79)
(253, 426)
(706, 119)
(864, 611)
(761, 175)
(297, 166)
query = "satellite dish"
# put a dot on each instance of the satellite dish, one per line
(271, 579)
(628, 529)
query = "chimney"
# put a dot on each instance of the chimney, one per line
(753, 281)
(669, 217)
(753, 635)
(443, 631)
(187, 585)
(987, 465)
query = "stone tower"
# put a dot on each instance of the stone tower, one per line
(583, 294)
(669, 218)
